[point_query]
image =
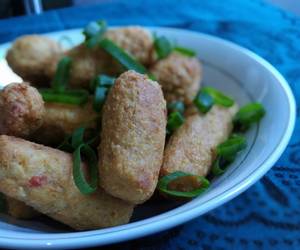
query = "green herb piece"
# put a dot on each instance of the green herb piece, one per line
(175, 120)
(164, 183)
(78, 170)
(218, 97)
(121, 56)
(232, 146)
(102, 81)
(94, 32)
(62, 75)
(162, 46)
(247, 115)
(99, 98)
(176, 106)
(203, 101)
(185, 51)
(76, 97)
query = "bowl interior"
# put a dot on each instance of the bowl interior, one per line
(238, 73)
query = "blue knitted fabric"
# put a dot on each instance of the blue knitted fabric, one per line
(267, 216)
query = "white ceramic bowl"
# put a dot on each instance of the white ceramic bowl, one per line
(234, 70)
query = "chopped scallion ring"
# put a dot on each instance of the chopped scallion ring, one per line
(121, 56)
(219, 98)
(162, 46)
(164, 183)
(62, 75)
(78, 172)
(99, 98)
(247, 115)
(203, 101)
(102, 81)
(76, 97)
(175, 120)
(232, 146)
(94, 32)
(185, 51)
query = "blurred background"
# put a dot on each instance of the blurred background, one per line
(10, 8)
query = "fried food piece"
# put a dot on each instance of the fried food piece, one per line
(135, 40)
(132, 138)
(22, 110)
(30, 55)
(62, 119)
(42, 178)
(87, 62)
(192, 147)
(180, 77)
(19, 210)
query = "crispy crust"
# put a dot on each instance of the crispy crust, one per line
(191, 148)
(179, 76)
(22, 110)
(42, 178)
(132, 138)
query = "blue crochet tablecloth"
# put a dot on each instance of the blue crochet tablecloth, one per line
(267, 216)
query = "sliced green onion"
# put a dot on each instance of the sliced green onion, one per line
(78, 174)
(203, 101)
(232, 146)
(121, 56)
(62, 75)
(175, 120)
(185, 51)
(220, 164)
(162, 46)
(219, 98)
(99, 98)
(76, 97)
(93, 33)
(247, 115)
(164, 182)
(3, 205)
(102, 81)
(176, 106)
(66, 145)
(77, 137)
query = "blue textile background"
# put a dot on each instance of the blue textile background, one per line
(268, 214)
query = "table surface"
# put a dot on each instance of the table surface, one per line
(268, 214)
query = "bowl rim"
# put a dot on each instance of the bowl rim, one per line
(173, 217)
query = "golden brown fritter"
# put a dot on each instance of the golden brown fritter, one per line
(135, 40)
(19, 210)
(62, 119)
(29, 57)
(22, 110)
(180, 77)
(42, 178)
(192, 147)
(132, 138)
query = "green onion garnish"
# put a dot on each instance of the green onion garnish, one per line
(99, 98)
(162, 46)
(62, 75)
(203, 101)
(176, 106)
(93, 33)
(77, 137)
(165, 182)
(121, 56)
(78, 173)
(77, 97)
(175, 120)
(102, 81)
(232, 146)
(219, 98)
(3, 205)
(247, 115)
(185, 51)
